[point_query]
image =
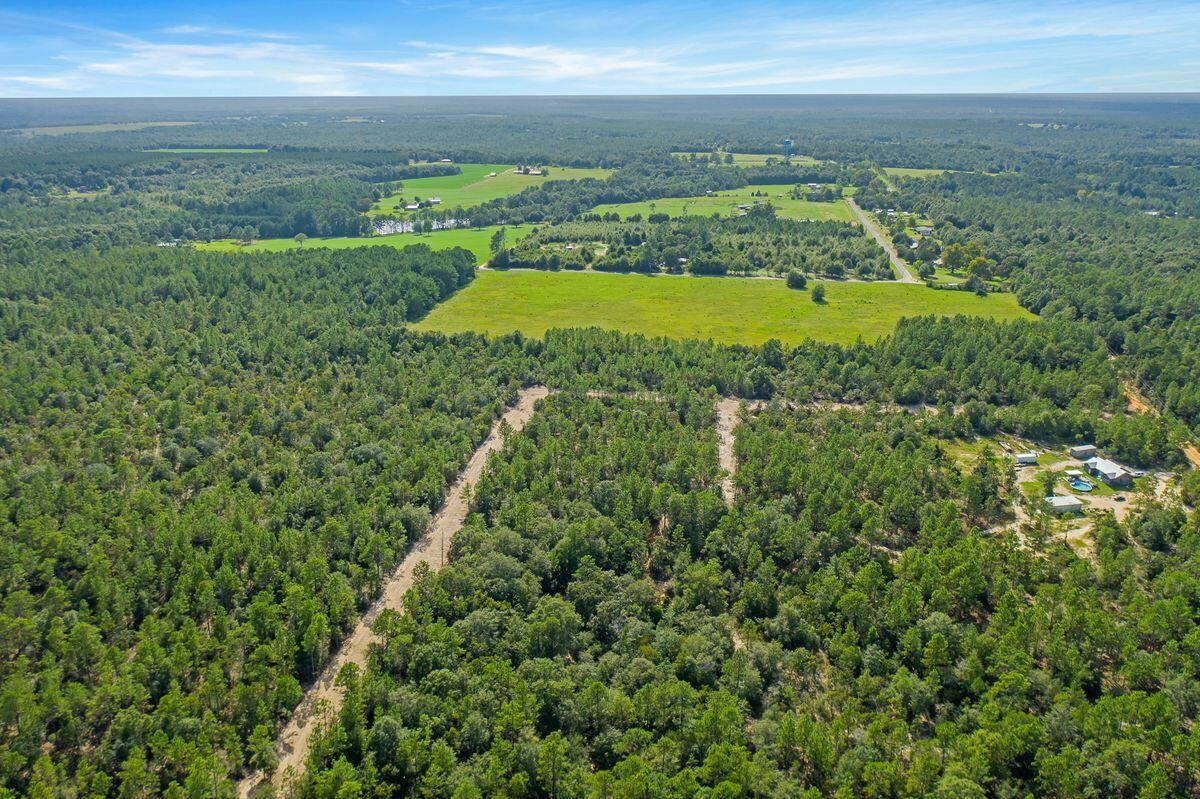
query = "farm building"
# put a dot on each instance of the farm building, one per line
(435, 200)
(1083, 451)
(1063, 505)
(1026, 458)
(412, 207)
(1112, 474)
(924, 229)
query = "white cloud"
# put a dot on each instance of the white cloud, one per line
(211, 30)
(918, 45)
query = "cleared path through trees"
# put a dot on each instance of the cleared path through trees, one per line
(884, 242)
(323, 699)
(728, 411)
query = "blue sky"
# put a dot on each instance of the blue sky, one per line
(403, 47)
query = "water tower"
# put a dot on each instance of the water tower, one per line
(787, 148)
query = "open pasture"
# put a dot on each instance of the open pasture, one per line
(726, 203)
(473, 186)
(730, 310)
(913, 172)
(477, 240)
(754, 159)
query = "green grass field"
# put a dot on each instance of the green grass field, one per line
(731, 310)
(476, 240)
(473, 186)
(756, 159)
(192, 150)
(911, 172)
(100, 127)
(725, 203)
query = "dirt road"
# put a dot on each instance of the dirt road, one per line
(322, 699)
(727, 421)
(1139, 403)
(897, 262)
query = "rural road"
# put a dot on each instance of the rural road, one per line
(884, 242)
(323, 699)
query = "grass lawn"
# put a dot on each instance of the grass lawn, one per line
(732, 310)
(473, 186)
(757, 159)
(944, 277)
(475, 239)
(190, 150)
(725, 203)
(910, 172)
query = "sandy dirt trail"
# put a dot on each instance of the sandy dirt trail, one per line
(1139, 403)
(322, 699)
(727, 421)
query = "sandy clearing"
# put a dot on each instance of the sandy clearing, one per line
(322, 699)
(728, 416)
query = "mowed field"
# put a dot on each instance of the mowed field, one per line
(913, 172)
(725, 203)
(477, 240)
(473, 186)
(730, 310)
(756, 159)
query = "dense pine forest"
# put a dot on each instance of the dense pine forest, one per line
(213, 463)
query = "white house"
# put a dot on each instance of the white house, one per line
(412, 207)
(924, 229)
(435, 200)
(1063, 505)
(1026, 458)
(1113, 474)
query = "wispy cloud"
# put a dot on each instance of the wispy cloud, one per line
(531, 46)
(220, 31)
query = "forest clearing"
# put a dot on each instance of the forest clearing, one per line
(727, 310)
